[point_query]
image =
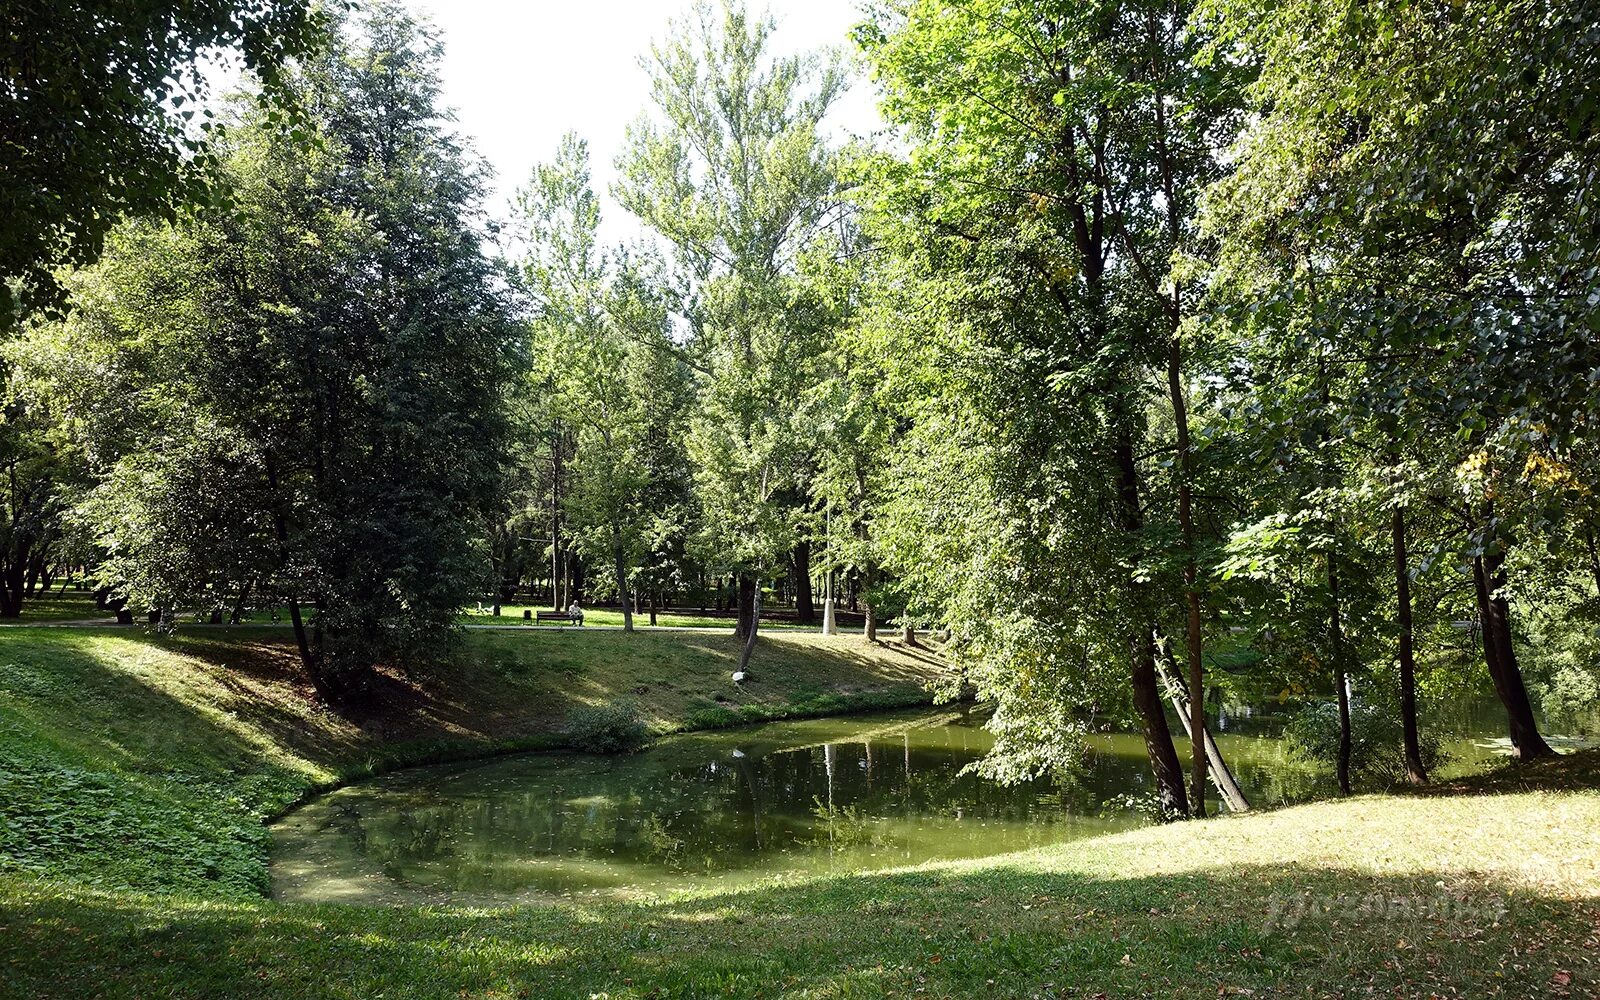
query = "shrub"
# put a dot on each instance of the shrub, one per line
(610, 728)
(1377, 750)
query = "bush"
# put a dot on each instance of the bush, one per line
(609, 728)
(1377, 748)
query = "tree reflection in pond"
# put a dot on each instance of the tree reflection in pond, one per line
(825, 795)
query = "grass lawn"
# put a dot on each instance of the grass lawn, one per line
(135, 772)
(1472, 897)
(511, 614)
(60, 606)
(137, 761)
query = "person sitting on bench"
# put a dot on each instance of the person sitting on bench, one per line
(575, 613)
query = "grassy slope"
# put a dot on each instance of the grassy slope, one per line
(132, 761)
(1477, 896)
(1493, 891)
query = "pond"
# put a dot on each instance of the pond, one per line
(717, 809)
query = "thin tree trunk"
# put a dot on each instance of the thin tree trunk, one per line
(556, 603)
(309, 658)
(1500, 657)
(1185, 474)
(619, 561)
(239, 605)
(755, 626)
(748, 586)
(1164, 764)
(653, 596)
(1336, 652)
(1158, 746)
(1221, 774)
(1416, 774)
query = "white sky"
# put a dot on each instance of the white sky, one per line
(521, 74)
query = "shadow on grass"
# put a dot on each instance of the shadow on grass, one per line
(1564, 772)
(1003, 932)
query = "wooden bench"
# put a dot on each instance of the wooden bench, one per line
(559, 616)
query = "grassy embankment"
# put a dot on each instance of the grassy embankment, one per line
(135, 761)
(145, 765)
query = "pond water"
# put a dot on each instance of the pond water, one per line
(718, 809)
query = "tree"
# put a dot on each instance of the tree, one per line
(106, 115)
(614, 376)
(40, 476)
(733, 173)
(1413, 172)
(1056, 163)
(305, 396)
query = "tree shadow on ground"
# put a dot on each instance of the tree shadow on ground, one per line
(1011, 931)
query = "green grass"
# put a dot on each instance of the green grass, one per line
(511, 614)
(135, 761)
(1483, 896)
(59, 606)
(134, 773)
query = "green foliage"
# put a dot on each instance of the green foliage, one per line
(107, 114)
(607, 375)
(1376, 757)
(614, 727)
(741, 197)
(266, 391)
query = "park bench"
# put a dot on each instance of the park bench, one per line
(560, 616)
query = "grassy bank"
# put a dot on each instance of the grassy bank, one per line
(1469, 896)
(135, 771)
(132, 761)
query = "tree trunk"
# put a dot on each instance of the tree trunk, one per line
(1164, 765)
(1158, 746)
(653, 596)
(804, 604)
(1336, 653)
(1184, 471)
(620, 562)
(1416, 774)
(556, 603)
(1488, 572)
(1221, 774)
(748, 586)
(869, 613)
(755, 626)
(13, 582)
(239, 605)
(310, 658)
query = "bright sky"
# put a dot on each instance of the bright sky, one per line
(521, 74)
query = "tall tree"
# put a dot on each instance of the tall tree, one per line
(1063, 152)
(731, 169)
(306, 390)
(1411, 168)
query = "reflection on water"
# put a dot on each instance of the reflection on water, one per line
(866, 792)
(801, 797)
